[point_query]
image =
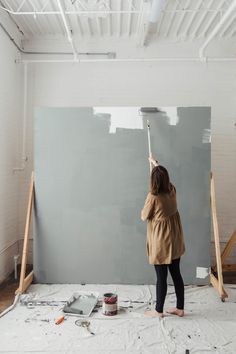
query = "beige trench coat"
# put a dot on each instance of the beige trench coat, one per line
(165, 240)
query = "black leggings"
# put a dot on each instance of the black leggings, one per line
(161, 286)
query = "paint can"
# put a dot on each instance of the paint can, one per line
(109, 306)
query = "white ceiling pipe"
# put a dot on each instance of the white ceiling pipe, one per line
(62, 13)
(212, 19)
(181, 19)
(67, 28)
(131, 60)
(129, 18)
(82, 12)
(228, 26)
(171, 20)
(191, 21)
(215, 31)
(108, 12)
(119, 19)
(201, 21)
(109, 21)
(231, 33)
(21, 5)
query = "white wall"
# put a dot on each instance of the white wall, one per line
(101, 84)
(10, 153)
(154, 84)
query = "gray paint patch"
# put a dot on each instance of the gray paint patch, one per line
(90, 186)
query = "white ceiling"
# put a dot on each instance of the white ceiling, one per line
(180, 19)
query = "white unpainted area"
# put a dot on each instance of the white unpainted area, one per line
(208, 327)
(154, 84)
(206, 136)
(171, 115)
(202, 272)
(119, 119)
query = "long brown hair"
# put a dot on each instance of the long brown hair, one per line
(160, 181)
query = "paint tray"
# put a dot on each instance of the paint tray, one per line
(81, 303)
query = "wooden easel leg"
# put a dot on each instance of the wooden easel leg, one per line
(225, 254)
(25, 282)
(217, 283)
(228, 247)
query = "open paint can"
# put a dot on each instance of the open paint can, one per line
(109, 306)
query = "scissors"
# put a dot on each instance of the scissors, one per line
(84, 324)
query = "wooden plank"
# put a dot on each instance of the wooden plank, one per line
(216, 239)
(214, 282)
(229, 267)
(220, 290)
(27, 281)
(225, 254)
(228, 248)
(26, 235)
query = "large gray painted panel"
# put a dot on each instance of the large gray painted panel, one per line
(91, 180)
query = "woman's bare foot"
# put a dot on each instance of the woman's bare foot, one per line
(154, 313)
(175, 311)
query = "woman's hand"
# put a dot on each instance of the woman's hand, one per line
(153, 161)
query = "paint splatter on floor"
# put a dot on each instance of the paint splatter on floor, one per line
(208, 327)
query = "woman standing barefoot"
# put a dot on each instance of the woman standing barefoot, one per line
(165, 243)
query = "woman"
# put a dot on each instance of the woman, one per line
(165, 243)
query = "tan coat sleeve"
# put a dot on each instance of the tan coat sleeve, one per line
(148, 209)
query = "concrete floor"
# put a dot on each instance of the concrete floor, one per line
(209, 325)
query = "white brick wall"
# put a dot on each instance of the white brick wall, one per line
(162, 84)
(151, 84)
(10, 153)
(124, 84)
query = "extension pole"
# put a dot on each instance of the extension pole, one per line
(149, 144)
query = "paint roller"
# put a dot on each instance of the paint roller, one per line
(149, 144)
(147, 111)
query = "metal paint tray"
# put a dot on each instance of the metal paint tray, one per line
(81, 303)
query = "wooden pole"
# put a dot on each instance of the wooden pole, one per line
(217, 283)
(25, 282)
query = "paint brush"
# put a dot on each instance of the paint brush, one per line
(60, 320)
